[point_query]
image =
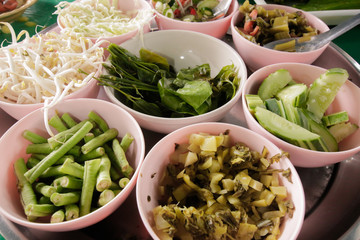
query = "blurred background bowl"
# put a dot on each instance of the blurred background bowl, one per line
(184, 49)
(17, 12)
(256, 56)
(13, 145)
(130, 7)
(347, 99)
(154, 165)
(216, 28)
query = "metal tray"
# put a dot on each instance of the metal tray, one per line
(332, 192)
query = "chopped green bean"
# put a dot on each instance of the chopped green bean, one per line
(62, 199)
(103, 180)
(56, 122)
(41, 148)
(58, 216)
(126, 141)
(68, 120)
(44, 189)
(31, 162)
(44, 200)
(69, 182)
(95, 153)
(100, 140)
(53, 171)
(72, 168)
(123, 182)
(91, 169)
(88, 137)
(105, 197)
(58, 153)
(71, 212)
(121, 160)
(100, 122)
(33, 137)
(40, 210)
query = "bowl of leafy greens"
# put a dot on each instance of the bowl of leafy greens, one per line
(174, 78)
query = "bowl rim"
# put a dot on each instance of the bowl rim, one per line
(23, 7)
(83, 220)
(227, 16)
(109, 91)
(220, 125)
(267, 50)
(270, 135)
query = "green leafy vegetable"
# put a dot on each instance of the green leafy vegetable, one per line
(149, 84)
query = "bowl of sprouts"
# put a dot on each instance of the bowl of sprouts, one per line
(112, 20)
(308, 111)
(72, 171)
(255, 25)
(174, 78)
(10, 10)
(41, 70)
(216, 181)
(194, 15)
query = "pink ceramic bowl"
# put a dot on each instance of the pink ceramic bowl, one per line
(347, 99)
(18, 111)
(216, 28)
(256, 56)
(153, 167)
(13, 145)
(125, 6)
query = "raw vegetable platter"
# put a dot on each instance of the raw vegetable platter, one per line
(332, 192)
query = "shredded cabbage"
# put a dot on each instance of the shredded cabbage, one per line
(100, 18)
(46, 68)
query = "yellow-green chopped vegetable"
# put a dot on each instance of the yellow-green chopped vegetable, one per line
(214, 189)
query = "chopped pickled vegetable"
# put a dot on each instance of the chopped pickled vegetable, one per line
(228, 192)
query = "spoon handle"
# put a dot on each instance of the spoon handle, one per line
(339, 29)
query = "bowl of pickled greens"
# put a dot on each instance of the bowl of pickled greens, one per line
(219, 181)
(193, 15)
(72, 171)
(174, 79)
(253, 26)
(308, 111)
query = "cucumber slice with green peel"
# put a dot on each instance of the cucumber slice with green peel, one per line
(274, 83)
(287, 130)
(335, 118)
(291, 113)
(295, 94)
(207, 4)
(275, 106)
(324, 89)
(342, 130)
(331, 145)
(253, 101)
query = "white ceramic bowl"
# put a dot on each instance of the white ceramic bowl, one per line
(153, 167)
(216, 28)
(256, 56)
(185, 49)
(347, 99)
(127, 7)
(13, 145)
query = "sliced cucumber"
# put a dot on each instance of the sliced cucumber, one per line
(331, 145)
(253, 101)
(295, 94)
(324, 89)
(273, 83)
(342, 130)
(335, 118)
(207, 4)
(275, 106)
(291, 113)
(287, 130)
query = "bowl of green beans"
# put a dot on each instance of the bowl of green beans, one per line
(69, 167)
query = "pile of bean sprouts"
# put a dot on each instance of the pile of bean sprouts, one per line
(45, 68)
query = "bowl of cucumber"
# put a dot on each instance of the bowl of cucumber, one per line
(308, 111)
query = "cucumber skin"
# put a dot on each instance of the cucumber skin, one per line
(342, 130)
(318, 105)
(288, 131)
(273, 83)
(335, 118)
(295, 94)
